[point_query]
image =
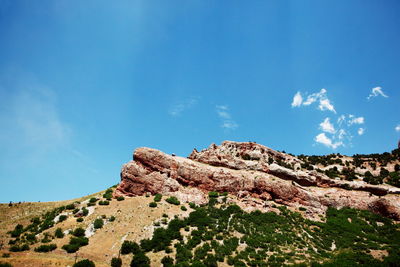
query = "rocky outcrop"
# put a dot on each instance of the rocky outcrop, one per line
(246, 169)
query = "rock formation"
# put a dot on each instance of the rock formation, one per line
(250, 170)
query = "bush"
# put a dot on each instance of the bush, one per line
(130, 247)
(62, 218)
(173, 200)
(104, 203)
(98, 223)
(84, 263)
(85, 211)
(70, 206)
(75, 243)
(120, 198)
(5, 264)
(111, 219)
(213, 194)
(153, 204)
(167, 261)
(79, 219)
(59, 233)
(79, 232)
(140, 260)
(46, 248)
(93, 200)
(17, 248)
(157, 197)
(116, 262)
(183, 208)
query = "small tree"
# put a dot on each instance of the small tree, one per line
(59, 233)
(84, 263)
(98, 223)
(140, 260)
(116, 262)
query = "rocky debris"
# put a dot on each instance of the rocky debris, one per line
(225, 169)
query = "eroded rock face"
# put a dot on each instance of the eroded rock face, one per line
(245, 170)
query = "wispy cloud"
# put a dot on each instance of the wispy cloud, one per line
(376, 91)
(320, 97)
(297, 100)
(226, 118)
(360, 131)
(355, 120)
(178, 108)
(397, 128)
(327, 126)
(326, 141)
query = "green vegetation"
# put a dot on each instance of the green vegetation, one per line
(140, 260)
(5, 264)
(46, 248)
(80, 219)
(98, 223)
(173, 200)
(120, 198)
(157, 197)
(104, 202)
(227, 233)
(129, 247)
(84, 263)
(62, 218)
(108, 194)
(153, 204)
(18, 248)
(59, 233)
(78, 232)
(116, 262)
(75, 243)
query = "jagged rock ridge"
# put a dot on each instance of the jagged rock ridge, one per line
(250, 170)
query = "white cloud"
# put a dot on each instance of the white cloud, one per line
(341, 119)
(297, 100)
(397, 128)
(179, 107)
(355, 120)
(341, 134)
(227, 121)
(323, 139)
(360, 131)
(324, 102)
(327, 126)
(376, 91)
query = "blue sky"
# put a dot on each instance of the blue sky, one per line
(84, 83)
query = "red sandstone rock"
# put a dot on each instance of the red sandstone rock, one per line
(225, 168)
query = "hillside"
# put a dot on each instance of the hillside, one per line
(237, 204)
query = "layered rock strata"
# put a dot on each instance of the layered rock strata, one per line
(249, 169)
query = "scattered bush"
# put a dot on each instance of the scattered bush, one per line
(84, 263)
(153, 204)
(79, 232)
(93, 200)
(16, 248)
(62, 218)
(98, 223)
(173, 200)
(104, 202)
(116, 262)
(111, 219)
(46, 248)
(75, 243)
(213, 194)
(157, 197)
(140, 260)
(120, 198)
(5, 264)
(85, 211)
(70, 206)
(80, 219)
(129, 247)
(59, 233)
(183, 208)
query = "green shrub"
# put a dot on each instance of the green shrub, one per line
(46, 248)
(75, 243)
(16, 248)
(85, 211)
(173, 200)
(140, 260)
(116, 262)
(129, 247)
(62, 218)
(59, 233)
(79, 219)
(167, 261)
(153, 204)
(84, 263)
(98, 223)
(5, 264)
(5, 255)
(157, 197)
(104, 202)
(213, 194)
(70, 206)
(111, 219)
(120, 198)
(93, 200)
(79, 232)
(183, 208)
